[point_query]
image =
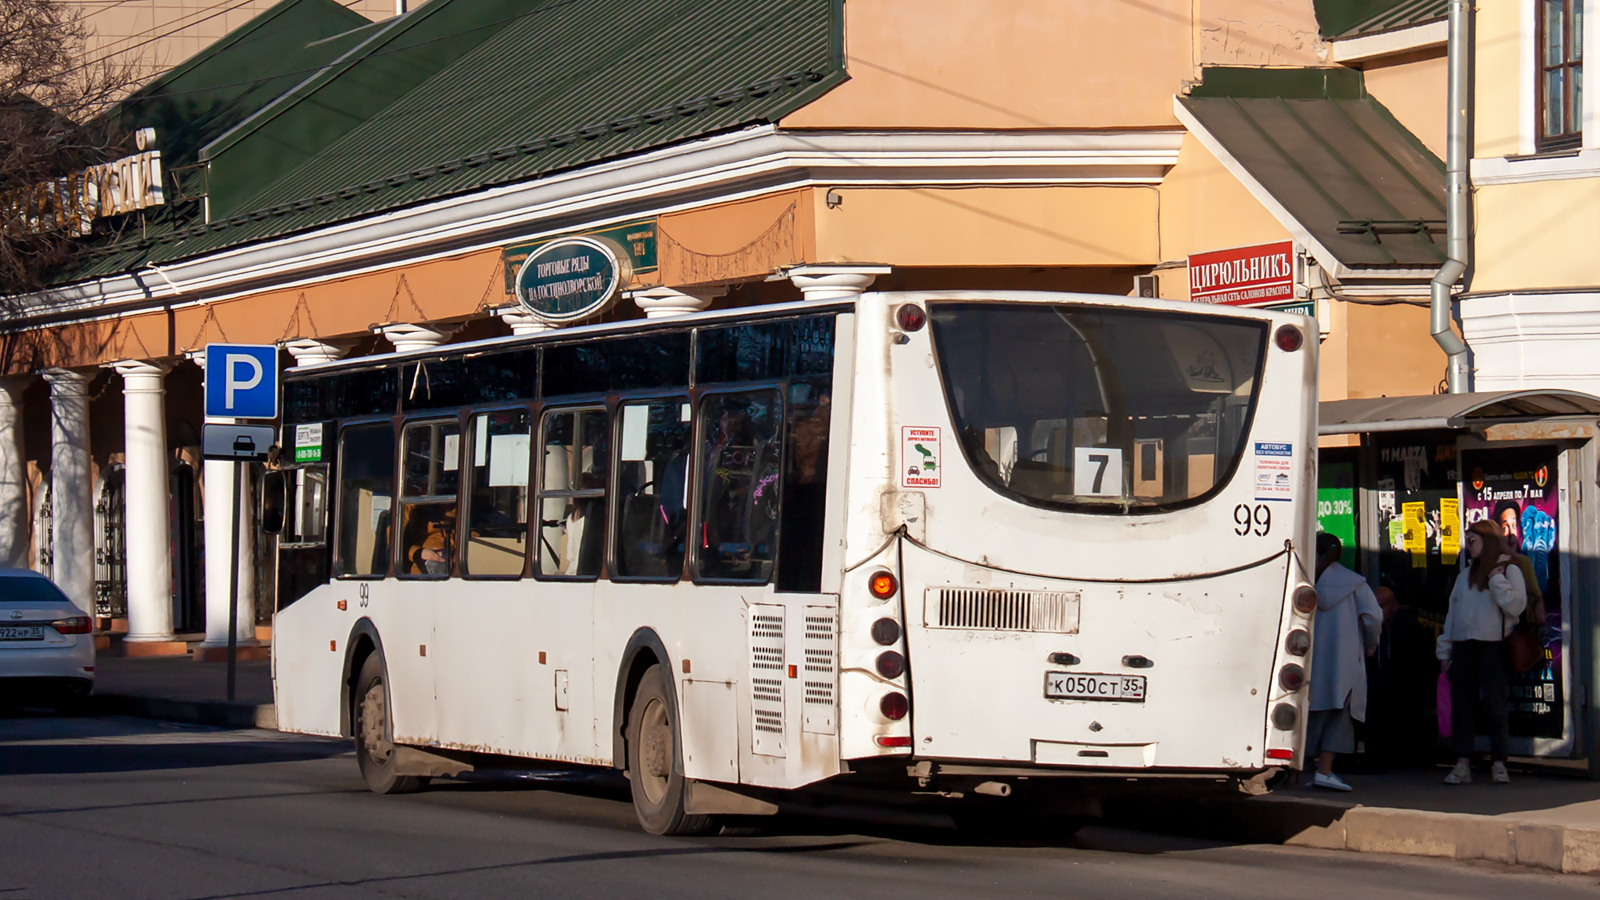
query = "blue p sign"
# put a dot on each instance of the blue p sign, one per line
(242, 381)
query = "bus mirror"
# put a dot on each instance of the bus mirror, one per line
(272, 502)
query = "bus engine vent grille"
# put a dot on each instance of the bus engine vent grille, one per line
(768, 665)
(821, 670)
(989, 609)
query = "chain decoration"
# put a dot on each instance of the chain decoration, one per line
(210, 319)
(393, 315)
(498, 273)
(294, 327)
(775, 243)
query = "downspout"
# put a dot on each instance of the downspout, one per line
(1457, 196)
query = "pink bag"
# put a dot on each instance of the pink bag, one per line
(1442, 702)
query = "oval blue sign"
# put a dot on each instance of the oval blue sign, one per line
(569, 279)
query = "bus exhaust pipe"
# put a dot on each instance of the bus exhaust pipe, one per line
(993, 789)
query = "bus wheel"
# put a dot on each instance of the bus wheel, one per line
(655, 767)
(374, 752)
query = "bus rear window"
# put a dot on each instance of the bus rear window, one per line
(1098, 409)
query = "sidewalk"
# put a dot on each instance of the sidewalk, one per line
(178, 689)
(1548, 817)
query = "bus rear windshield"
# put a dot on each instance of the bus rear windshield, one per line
(1098, 409)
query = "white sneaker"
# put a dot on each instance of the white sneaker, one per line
(1500, 775)
(1329, 782)
(1461, 774)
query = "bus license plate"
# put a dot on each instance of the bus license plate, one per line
(21, 632)
(1088, 686)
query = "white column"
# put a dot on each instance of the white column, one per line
(309, 352)
(416, 337)
(665, 302)
(521, 321)
(821, 283)
(15, 518)
(147, 517)
(71, 486)
(220, 503)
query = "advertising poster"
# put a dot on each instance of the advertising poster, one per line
(1415, 486)
(1515, 488)
(1336, 505)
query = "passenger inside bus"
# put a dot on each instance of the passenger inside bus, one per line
(430, 531)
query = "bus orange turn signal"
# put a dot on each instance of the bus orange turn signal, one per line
(882, 585)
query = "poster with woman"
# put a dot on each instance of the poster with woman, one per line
(1515, 488)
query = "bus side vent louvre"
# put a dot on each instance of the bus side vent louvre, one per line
(989, 609)
(767, 670)
(821, 671)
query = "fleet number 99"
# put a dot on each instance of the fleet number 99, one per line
(1249, 519)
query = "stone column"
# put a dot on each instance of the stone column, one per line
(416, 337)
(148, 500)
(823, 283)
(310, 352)
(521, 321)
(666, 303)
(71, 486)
(220, 504)
(15, 517)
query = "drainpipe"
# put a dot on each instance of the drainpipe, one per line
(1457, 195)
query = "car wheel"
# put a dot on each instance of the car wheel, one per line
(374, 752)
(655, 764)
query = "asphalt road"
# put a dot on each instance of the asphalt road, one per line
(125, 808)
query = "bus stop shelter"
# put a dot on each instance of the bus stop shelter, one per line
(1423, 469)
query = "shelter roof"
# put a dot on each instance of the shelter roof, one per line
(1371, 414)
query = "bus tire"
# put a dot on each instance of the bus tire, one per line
(374, 752)
(655, 761)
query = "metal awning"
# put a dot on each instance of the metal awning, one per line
(1372, 414)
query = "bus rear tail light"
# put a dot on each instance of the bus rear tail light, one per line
(1291, 677)
(892, 740)
(891, 664)
(72, 625)
(1305, 599)
(1289, 338)
(886, 631)
(1298, 643)
(894, 706)
(1285, 717)
(882, 585)
(1280, 753)
(910, 317)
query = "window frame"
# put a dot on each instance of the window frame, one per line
(536, 461)
(464, 498)
(401, 500)
(698, 486)
(329, 486)
(336, 560)
(685, 395)
(1572, 99)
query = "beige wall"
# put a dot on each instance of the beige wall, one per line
(1026, 226)
(1498, 78)
(1541, 234)
(1257, 33)
(1203, 207)
(1416, 92)
(156, 35)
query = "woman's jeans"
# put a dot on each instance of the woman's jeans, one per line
(1475, 665)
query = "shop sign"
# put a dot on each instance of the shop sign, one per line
(571, 279)
(1243, 276)
(1299, 307)
(72, 203)
(633, 243)
(1515, 488)
(308, 443)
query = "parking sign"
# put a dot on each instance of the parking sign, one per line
(242, 381)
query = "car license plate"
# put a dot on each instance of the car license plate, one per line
(21, 632)
(1089, 686)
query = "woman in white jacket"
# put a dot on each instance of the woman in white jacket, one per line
(1488, 597)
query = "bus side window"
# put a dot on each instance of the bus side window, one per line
(366, 496)
(428, 482)
(305, 507)
(740, 484)
(652, 489)
(805, 487)
(574, 460)
(497, 494)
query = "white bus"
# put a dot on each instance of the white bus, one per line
(949, 543)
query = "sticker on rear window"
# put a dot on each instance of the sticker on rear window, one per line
(919, 457)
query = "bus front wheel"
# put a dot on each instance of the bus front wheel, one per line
(374, 751)
(655, 765)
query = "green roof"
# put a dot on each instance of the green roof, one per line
(498, 92)
(1335, 159)
(1356, 18)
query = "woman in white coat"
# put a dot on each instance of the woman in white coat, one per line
(1485, 603)
(1348, 624)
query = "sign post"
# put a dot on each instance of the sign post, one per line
(241, 383)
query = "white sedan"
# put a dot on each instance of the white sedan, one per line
(46, 642)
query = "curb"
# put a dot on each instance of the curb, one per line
(1332, 825)
(215, 713)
